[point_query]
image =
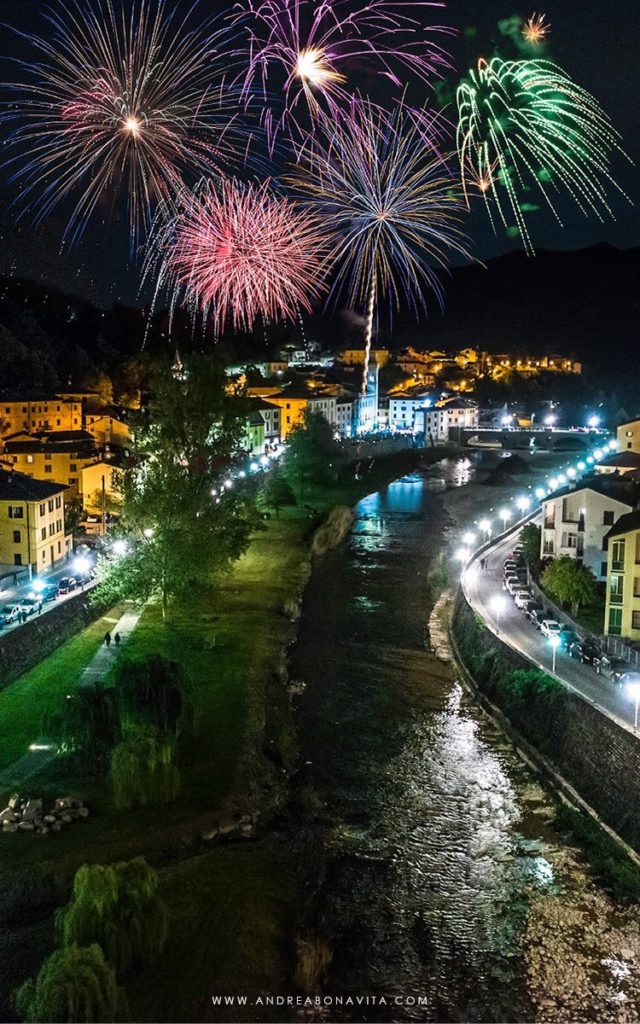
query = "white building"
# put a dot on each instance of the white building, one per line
(344, 416)
(437, 423)
(404, 406)
(629, 436)
(576, 520)
(270, 413)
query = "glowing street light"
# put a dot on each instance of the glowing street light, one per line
(555, 643)
(553, 483)
(119, 547)
(590, 458)
(498, 605)
(613, 445)
(462, 555)
(468, 539)
(38, 586)
(633, 688)
(549, 420)
(540, 493)
(254, 467)
(582, 466)
(505, 515)
(571, 473)
(485, 526)
(149, 532)
(264, 459)
(507, 420)
(523, 503)
(81, 565)
(593, 421)
(228, 484)
(598, 454)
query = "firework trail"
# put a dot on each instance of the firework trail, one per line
(236, 252)
(526, 123)
(386, 193)
(120, 98)
(310, 48)
(536, 29)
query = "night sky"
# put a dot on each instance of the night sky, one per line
(595, 43)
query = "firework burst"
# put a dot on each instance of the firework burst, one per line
(120, 98)
(310, 47)
(525, 125)
(536, 29)
(387, 195)
(236, 252)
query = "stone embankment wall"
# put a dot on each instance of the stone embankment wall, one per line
(598, 758)
(22, 648)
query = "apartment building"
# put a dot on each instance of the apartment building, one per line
(622, 609)
(32, 525)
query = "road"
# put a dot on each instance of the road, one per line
(480, 586)
(11, 594)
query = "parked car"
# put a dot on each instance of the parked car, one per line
(513, 584)
(550, 628)
(29, 605)
(532, 606)
(67, 584)
(612, 668)
(8, 613)
(584, 650)
(48, 593)
(568, 636)
(522, 598)
(538, 617)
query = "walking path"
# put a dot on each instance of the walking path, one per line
(15, 775)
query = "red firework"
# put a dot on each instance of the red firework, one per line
(238, 251)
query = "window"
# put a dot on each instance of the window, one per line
(48, 469)
(16, 512)
(58, 501)
(50, 504)
(635, 620)
(43, 533)
(615, 621)
(603, 568)
(43, 509)
(616, 586)
(59, 546)
(47, 456)
(73, 468)
(29, 458)
(16, 536)
(17, 559)
(628, 433)
(607, 519)
(617, 556)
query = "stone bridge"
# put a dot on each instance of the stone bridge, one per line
(543, 438)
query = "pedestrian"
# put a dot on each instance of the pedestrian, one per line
(107, 638)
(40, 608)
(483, 562)
(116, 639)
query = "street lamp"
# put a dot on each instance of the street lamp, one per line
(523, 503)
(468, 539)
(462, 555)
(119, 547)
(634, 692)
(549, 421)
(582, 467)
(571, 473)
(540, 493)
(598, 454)
(594, 421)
(505, 515)
(555, 643)
(498, 604)
(485, 526)
(553, 483)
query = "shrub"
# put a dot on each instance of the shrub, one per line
(143, 769)
(117, 907)
(608, 861)
(74, 984)
(153, 691)
(87, 725)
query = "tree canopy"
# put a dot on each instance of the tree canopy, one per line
(75, 984)
(530, 540)
(310, 449)
(143, 769)
(570, 582)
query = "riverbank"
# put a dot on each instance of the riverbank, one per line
(234, 650)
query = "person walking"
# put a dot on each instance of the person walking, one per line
(107, 638)
(116, 639)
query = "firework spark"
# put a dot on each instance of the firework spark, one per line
(235, 252)
(536, 29)
(313, 45)
(525, 124)
(386, 194)
(120, 97)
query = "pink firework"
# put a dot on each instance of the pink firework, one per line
(311, 48)
(236, 252)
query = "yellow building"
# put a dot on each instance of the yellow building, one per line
(23, 412)
(59, 456)
(32, 527)
(622, 610)
(629, 437)
(356, 356)
(107, 428)
(98, 479)
(296, 404)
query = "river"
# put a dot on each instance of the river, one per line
(436, 837)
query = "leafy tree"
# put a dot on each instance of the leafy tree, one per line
(277, 492)
(87, 724)
(154, 691)
(100, 382)
(181, 537)
(116, 907)
(143, 770)
(530, 540)
(309, 451)
(569, 582)
(74, 984)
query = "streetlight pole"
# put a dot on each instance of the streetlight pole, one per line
(554, 646)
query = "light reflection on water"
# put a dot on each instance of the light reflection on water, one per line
(428, 865)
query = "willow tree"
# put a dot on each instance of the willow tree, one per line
(143, 769)
(87, 724)
(74, 984)
(154, 691)
(117, 907)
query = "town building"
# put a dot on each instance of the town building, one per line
(108, 427)
(254, 433)
(577, 519)
(270, 415)
(32, 524)
(59, 456)
(629, 436)
(622, 609)
(619, 463)
(404, 406)
(21, 411)
(296, 404)
(100, 485)
(440, 422)
(357, 356)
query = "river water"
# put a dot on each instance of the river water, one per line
(435, 834)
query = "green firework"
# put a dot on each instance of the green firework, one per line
(524, 124)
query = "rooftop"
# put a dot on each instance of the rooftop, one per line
(631, 459)
(625, 524)
(18, 487)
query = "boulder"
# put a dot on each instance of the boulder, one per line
(32, 810)
(14, 800)
(83, 812)
(7, 815)
(26, 826)
(9, 826)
